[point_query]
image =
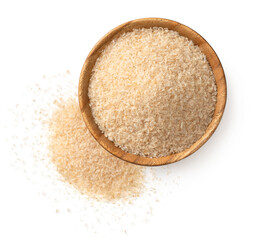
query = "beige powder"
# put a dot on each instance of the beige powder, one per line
(84, 163)
(152, 92)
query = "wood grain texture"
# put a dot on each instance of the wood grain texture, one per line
(147, 23)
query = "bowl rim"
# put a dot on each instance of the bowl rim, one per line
(183, 30)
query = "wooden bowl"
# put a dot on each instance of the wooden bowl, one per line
(147, 23)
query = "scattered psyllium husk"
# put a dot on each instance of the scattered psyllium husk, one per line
(84, 163)
(28, 134)
(152, 92)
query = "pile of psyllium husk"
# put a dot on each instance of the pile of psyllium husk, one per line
(84, 163)
(152, 92)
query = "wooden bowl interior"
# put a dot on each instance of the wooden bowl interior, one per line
(147, 23)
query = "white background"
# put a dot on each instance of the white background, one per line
(217, 196)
